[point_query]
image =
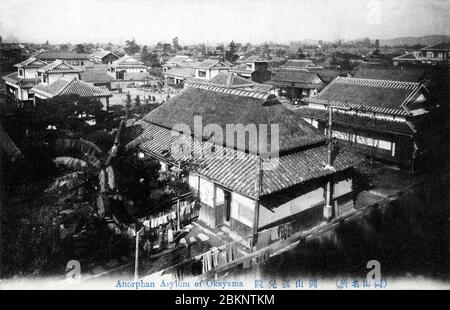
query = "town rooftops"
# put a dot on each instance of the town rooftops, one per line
(31, 62)
(222, 106)
(228, 80)
(14, 79)
(255, 58)
(292, 78)
(443, 46)
(214, 63)
(180, 72)
(101, 54)
(391, 74)
(237, 170)
(46, 55)
(298, 64)
(127, 61)
(180, 60)
(328, 75)
(70, 86)
(95, 76)
(59, 66)
(381, 96)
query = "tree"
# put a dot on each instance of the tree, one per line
(230, 54)
(175, 44)
(131, 47)
(93, 176)
(137, 103)
(128, 105)
(64, 47)
(167, 48)
(79, 48)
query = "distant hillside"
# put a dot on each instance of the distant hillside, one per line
(425, 40)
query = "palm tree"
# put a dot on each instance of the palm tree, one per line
(92, 177)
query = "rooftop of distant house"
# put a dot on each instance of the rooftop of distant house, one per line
(71, 86)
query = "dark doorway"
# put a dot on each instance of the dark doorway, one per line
(227, 198)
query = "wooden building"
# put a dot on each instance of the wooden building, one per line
(19, 83)
(376, 116)
(238, 191)
(71, 58)
(104, 57)
(296, 85)
(254, 68)
(126, 65)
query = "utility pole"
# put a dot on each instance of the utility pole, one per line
(258, 182)
(136, 256)
(328, 210)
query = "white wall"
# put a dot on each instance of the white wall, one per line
(294, 206)
(52, 77)
(242, 209)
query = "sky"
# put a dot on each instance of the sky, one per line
(215, 21)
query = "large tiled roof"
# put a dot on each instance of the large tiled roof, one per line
(237, 170)
(70, 87)
(180, 72)
(214, 63)
(298, 64)
(443, 46)
(222, 106)
(380, 96)
(392, 74)
(255, 58)
(292, 78)
(102, 53)
(13, 78)
(228, 80)
(59, 66)
(61, 55)
(127, 61)
(31, 62)
(95, 76)
(347, 120)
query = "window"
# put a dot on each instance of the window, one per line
(44, 78)
(201, 73)
(82, 63)
(20, 72)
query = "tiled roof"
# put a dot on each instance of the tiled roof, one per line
(95, 76)
(211, 62)
(237, 170)
(328, 75)
(410, 56)
(59, 66)
(403, 128)
(61, 55)
(128, 61)
(228, 80)
(180, 59)
(292, 78)
(394, 74)
(298, 64)
(70, 87)
(443, 46)
(241, 69)
(180, 72)
(8, 146)
(379, 96)
(21, 82)
(102, 53)
(255, 58)
(31, 62)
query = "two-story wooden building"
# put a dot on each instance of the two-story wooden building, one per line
(126, 65)
(239, 191)
(19, 83)
(254, 68)
(71, 58)
(375, 116)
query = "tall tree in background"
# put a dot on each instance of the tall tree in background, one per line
(79, 48)
(176, 44)
(230, 54)
(131, 47)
